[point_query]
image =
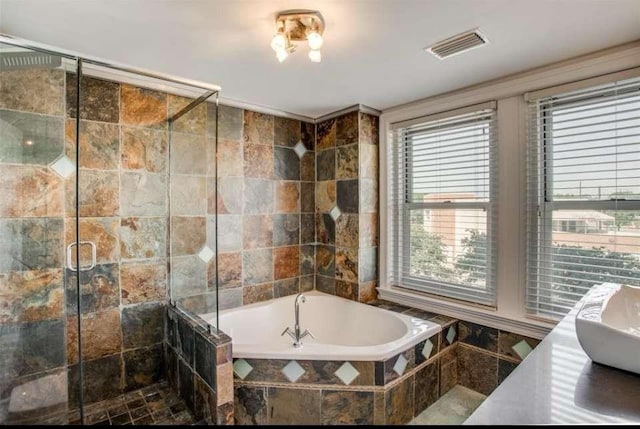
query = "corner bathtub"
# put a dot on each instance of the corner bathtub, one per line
(343, 329)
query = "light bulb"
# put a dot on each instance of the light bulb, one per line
(278, 43)
(315, 40)
(315, 56)
(281, 55)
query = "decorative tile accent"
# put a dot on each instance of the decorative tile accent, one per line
(206, 254)
(335, 213)
(299, 149)
(63, 166)
(347, 373)
(522, 349)
(241, 368)
(400, 365)
(451, 334)
(293, 371)
(426, 350)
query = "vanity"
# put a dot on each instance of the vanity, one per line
(558, 384)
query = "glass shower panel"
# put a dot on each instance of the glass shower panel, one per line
(37, 182)
(193, 207)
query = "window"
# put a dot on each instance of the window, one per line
(442, 195)
(584, 187)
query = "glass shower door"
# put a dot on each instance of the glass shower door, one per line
(37, 180)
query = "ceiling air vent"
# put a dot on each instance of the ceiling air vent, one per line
(457, 44)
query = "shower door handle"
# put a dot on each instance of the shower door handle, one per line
(94, 256)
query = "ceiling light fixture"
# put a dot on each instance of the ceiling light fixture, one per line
(298, 26)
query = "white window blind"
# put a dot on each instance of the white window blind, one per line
(442, 219)
(584, 194)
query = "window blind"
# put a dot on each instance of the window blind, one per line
(442, 190)
(583, 182)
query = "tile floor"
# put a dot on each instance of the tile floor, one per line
(452, 408)
(153, 405)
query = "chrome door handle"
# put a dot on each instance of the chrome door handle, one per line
(94, 256)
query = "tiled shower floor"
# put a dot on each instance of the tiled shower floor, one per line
(453, 408)
(153, 405)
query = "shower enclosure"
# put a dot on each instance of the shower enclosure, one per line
(107, 216)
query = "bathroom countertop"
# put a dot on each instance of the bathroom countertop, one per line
(558, 384)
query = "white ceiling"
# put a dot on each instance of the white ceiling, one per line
(373, 48)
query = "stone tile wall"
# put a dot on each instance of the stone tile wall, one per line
(266, 169)
(347, 206)
(199, 368)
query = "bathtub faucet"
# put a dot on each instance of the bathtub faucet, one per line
(295, 333)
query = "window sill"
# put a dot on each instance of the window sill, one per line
(524, 326)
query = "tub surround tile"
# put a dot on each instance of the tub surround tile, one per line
(369, 126)
(258, 128)
(250, 405)
(326, 284)
(143, 107)
(367, 264)
(478, 335)
(347, 162)
(287, 131)
(142, 324)
(307, 197)
(325, 228)
(307, 260)
(307, 283)
(286, 229)
(326, 134)
(258, 196)
(399, 403)
(347, 290)
(31, 296)
(477, 370)
(308, 135)
(229, 271)
(368, 159)
(257, 266)
(229, 298)
(188, 154)
(229, 190)
(257, 231)
(99, 194)
(326, 165)
(99, 289)
(308, 167)
(286, 164)
(141, 282)
(32, 347)
(286, 287)
(307, 228)
(104, 232)
(189, 195)
(346, 264)
(368, 229)
(230, 158)
(347, 408)
(368, 196)
(36, 91)
(193, 122)
(427, 349)
(325, 196)
(347, 230)
(45, 133)
(448, 369)
(144, 149)
(230, 236)
(505, 368)
(101, 335)
(99, 99)
(188, 277)
(188, 235)
(230, 123)
(30, 191)
(143, 194)
(258, 160)
(515, 346)
(293, 406)
(99, 144)
(347, 129)
(143, 367)
(426, 387)
(325, 260)
(367, 292)
(287, 197)
(257, 293)
(347, 195)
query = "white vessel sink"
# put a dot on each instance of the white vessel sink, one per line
(608, 326)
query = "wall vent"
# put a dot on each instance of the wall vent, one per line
(457, 44)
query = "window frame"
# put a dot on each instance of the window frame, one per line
(511, 94)
(488, 206)
(546, 205)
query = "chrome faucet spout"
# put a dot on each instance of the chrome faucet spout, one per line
(295, 333)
